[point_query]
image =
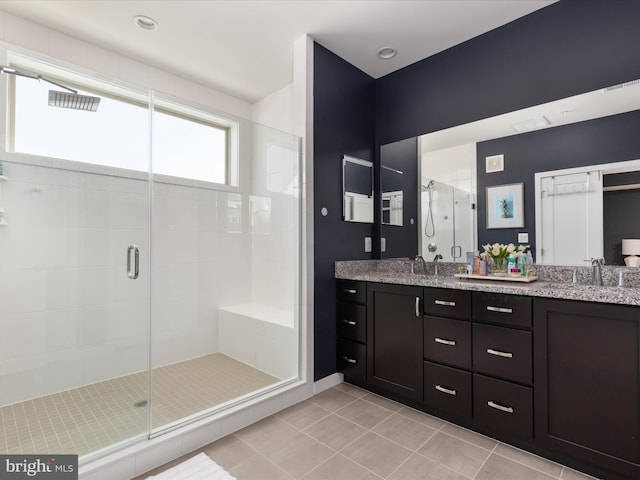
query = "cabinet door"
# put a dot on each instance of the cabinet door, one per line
(394, 339)
(587, 382)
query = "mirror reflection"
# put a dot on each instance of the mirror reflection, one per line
(595, 128)
(357, 190)
(392, 187)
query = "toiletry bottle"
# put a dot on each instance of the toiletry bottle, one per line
(476, 264)
(521, 263)
(511, 265)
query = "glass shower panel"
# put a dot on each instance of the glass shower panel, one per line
(225, 275)
(73, 352)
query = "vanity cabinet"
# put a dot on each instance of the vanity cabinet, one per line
(394, 339)
(587, 375)
(351, 329)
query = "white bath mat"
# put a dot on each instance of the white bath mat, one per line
(200, 467)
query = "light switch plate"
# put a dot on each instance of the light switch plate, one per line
(367, 244)
(523, 238)
(383, 244)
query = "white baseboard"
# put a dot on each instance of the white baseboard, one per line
(327, 382)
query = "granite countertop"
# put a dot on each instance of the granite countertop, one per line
(538, 288)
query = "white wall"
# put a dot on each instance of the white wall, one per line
(73, 315)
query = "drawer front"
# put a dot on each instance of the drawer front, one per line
(351, 291)
(351, 361)
(352, 321)
(448, 390)
(447, 341)
(503, 352)
(510, 310)
(443, 302)
(503, 406)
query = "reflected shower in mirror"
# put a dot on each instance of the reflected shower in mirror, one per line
(357, 190)
(392, 196)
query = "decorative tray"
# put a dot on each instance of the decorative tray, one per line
(503, 278)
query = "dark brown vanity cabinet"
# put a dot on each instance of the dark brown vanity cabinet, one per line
(503, 363)
(394, 339)
(587, 374)
(351, 328)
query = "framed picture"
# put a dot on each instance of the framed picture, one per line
(505, 206)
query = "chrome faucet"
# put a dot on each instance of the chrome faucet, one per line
(422, 265)
(435, 263)
(596, 274)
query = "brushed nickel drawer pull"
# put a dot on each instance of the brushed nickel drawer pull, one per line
(444, 342)
(446, 390)
(417, 306)
(349, 322)
(445, 303)
(500, 407)
(349, 360)
(498, 353)
(352, 291)
(499, 309)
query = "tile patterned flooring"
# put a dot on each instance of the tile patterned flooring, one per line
(346, 433)
(92, 417)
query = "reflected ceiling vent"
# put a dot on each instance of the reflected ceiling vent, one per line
(622, 85)
(532, 124)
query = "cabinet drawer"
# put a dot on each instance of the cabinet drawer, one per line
(351, 361)
(447, 341)
(352, 321)
(351, 291)
(503, 406)
(448, 390)
(510, 310)
(447, 303)
(503, 352)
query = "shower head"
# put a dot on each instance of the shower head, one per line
(70, 99)
(428, 186)
(74, 101)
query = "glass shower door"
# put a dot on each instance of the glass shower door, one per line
(73, 353)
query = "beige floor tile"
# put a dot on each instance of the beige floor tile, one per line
(377, 454)
(299, 454)
(529, 459)
(501, 468)
(405, 431)
(164, 467)
(570, 474)
(229, 451)
(267, 436)
(418, 467)
(259, 468)
(364, 413)
(423, 418)
(335, 432)
(339, 467)
(333, 399)
(459, 455)
(469, 436)
(383, 402)
(303, 414)
(351, 389)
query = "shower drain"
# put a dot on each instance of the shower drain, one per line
(140, 403)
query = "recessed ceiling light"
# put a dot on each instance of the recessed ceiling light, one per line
(144, 22)
(385, 53)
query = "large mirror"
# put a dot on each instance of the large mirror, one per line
(357, 190)
(597, 128)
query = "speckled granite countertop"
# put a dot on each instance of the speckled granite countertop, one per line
(552, 282)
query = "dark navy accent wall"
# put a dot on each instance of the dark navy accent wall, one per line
(343, 125)
(603, 140)
(567, 48)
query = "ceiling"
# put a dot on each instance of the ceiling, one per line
(245, 47)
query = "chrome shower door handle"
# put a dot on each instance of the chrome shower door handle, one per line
(133, 274)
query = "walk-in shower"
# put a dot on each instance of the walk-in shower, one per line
(94, 357)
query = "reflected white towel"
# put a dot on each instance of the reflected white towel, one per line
(200, 467)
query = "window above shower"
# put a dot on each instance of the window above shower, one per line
(185, 142)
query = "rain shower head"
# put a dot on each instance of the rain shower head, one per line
(70, 99)
(74, 101)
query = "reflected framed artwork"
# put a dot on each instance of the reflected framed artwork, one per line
(505, 206)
